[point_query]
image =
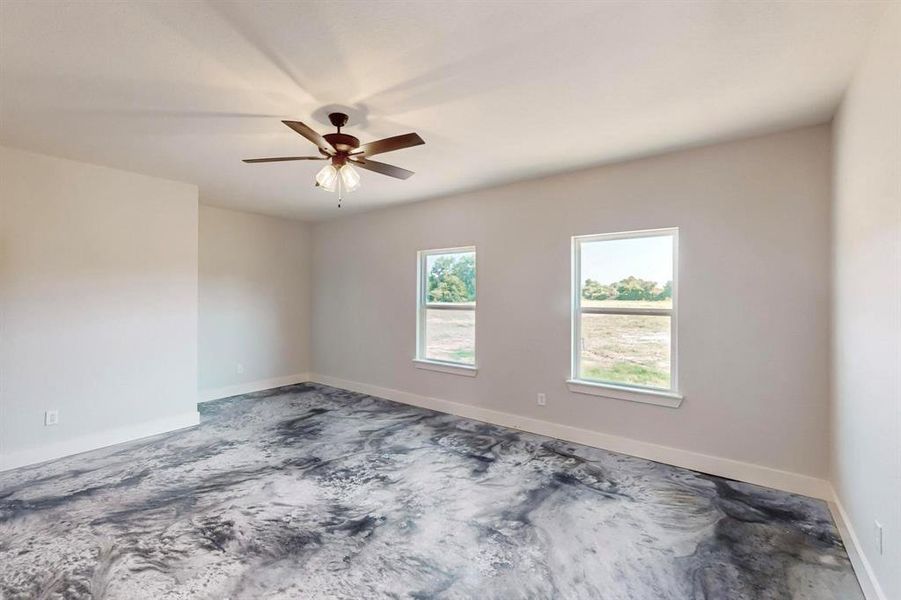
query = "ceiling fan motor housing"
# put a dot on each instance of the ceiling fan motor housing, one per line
(342, 142)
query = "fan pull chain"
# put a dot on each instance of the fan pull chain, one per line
(340, 191)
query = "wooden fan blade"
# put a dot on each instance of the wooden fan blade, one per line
(309, 134)
(281, 158)
(383, 168)
(391, 144)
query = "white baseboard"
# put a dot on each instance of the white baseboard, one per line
(862, 567)
(723, 467)
(97, 440)
(251, 386)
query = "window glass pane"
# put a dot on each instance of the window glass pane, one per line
(451, 278)
(450, 335)
(626, 349)
(628, 273)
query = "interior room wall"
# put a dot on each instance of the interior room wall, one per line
(254, 318)
(754, 296)
(98, 306)
(866, 322)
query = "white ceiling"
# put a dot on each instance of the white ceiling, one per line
(499, 90)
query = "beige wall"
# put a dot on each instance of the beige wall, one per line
(254, 299)
(754, 295)
(98, 305)
(867, 307)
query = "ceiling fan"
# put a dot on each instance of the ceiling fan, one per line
(342, 151)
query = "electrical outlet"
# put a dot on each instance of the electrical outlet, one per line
(542, 399)
(877, 530)
(239, 368)
(51, 417)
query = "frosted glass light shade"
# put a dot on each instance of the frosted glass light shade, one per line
(327, 178)
(350, 179)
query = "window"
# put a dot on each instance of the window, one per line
(446, 322)
(624, 311)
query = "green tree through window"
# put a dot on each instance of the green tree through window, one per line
(630, 288)
(452, 278)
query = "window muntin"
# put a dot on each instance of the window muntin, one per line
(447, 306)
(624, 309)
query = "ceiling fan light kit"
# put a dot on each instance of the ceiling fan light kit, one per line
(343, 151)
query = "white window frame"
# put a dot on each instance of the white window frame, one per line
(422, 305)
(638, 393)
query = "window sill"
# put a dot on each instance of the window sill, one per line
(658, 398)
(441, 367)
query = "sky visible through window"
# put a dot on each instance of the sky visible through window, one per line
(649, 258)
(453, 256)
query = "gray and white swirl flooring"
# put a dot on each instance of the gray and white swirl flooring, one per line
(311, 492)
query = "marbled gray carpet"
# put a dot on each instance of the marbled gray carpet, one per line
(313, 492)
